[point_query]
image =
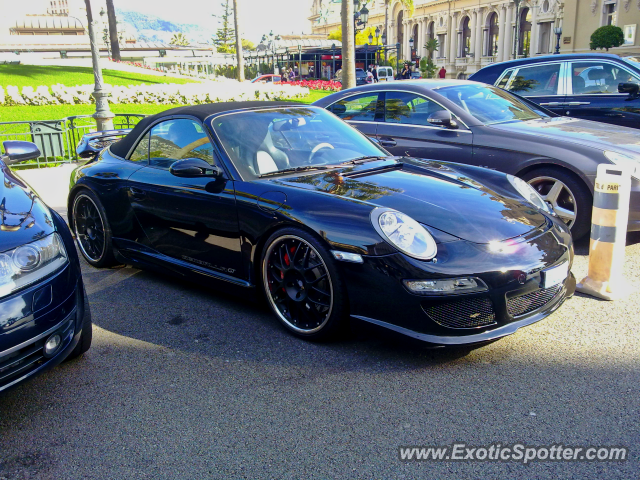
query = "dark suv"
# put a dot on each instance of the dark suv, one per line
(593, 86)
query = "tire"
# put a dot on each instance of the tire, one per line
(92, 231)
(303, 286)
(87, 330)
(567, 195)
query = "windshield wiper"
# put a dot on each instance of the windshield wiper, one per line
(294, 169)
(359, 160)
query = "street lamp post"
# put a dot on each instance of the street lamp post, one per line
(558, 32)
(333, 57)
(397, 58)
(103, 115)
(411, 43)
(300, 61)
(384, 45)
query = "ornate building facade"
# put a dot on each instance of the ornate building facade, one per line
(475, 33)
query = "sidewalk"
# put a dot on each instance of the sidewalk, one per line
(51, 184)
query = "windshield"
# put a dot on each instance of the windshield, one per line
(268, 141)
(490, 104)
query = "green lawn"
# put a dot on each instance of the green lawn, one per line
(56, 112)
(35, 75)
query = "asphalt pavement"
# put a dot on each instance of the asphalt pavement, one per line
(186, 382)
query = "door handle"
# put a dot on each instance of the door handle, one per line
(137, 193)
(388, 142)
(578, 103)
(551, 104)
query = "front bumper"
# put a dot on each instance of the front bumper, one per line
(22, 339)
(515, 297)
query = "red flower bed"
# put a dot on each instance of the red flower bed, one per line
(319, 85)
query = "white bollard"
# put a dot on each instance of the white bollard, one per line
(608, 234)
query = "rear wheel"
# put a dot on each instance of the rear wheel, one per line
(303, 285)
(92, 230)
(566, 194)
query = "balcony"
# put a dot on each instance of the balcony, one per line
(488, 60)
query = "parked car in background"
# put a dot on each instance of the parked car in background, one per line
(268, 79)
(44, 312)
(385, 74)
(594, 86)
(288, 200)
(415, 75)
(469, 122)
(361, 76)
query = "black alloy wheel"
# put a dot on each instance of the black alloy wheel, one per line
(92, 231)
(302, 284)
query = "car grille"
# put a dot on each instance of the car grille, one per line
(31, 355)
(21, 361)
(517, 306)
(465, 313)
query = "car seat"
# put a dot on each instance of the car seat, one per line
(578, 84)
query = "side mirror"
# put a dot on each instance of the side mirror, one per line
(19, 151)
(194, 167)
(630, 88)
(442, 118)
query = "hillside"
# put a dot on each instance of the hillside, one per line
(149, 28)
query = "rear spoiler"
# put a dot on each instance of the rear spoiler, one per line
(92, 143)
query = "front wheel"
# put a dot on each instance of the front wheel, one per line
(92, 230)
(302, 285)
(566, 194)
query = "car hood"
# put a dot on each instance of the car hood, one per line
(435, 196)
(24, 217)
(601, 136)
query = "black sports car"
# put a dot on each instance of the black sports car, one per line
(469, 122)
(289, 200)
(44, 313)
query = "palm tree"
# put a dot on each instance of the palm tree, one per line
(348, 46)
(239, 58)
(113, 31)
(179, 39)
(408, 4)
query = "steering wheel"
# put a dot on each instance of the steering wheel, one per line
(317, 148)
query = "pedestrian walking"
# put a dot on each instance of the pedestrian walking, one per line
(374, 72)
(442, 73)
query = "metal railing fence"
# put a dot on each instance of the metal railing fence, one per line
(58, 139)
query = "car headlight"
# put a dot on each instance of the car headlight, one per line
(29, 263)
(529, 193)
(623, 160)
(404, 233)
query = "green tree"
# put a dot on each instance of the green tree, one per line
(362, 37)
(606, 37)
(113, 31)
(179, 39)
(348, 46)
(248, 45)
(226, 34)
(427, 67)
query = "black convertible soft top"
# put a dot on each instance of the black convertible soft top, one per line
(122, 147)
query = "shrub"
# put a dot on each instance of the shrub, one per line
(606, 37)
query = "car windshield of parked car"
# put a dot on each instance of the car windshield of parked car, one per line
(269, 141)
(490, 104)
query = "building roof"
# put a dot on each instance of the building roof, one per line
(48, 22)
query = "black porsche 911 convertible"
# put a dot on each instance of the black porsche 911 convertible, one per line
(289, 200)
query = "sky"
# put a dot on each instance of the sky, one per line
(257, 16)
